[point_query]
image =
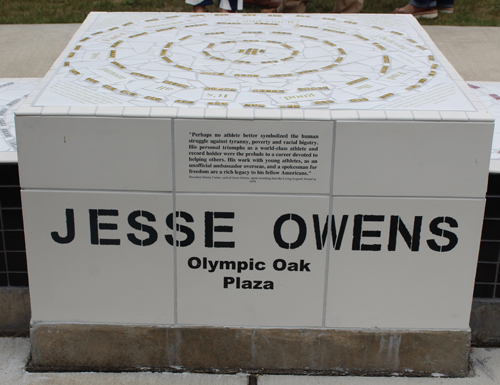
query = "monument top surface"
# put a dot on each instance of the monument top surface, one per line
(254, 61)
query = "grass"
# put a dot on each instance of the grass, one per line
(467, 12)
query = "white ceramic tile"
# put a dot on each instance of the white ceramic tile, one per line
(317, 114)
(456, 116)
(479, 106)
(8, 157)
(90, 277)
(27, 110)
(292, 113)
(377, 281)
(427, 115)
(55, 111)
(191, 113)
(95, 153)
(411, 159)
(267, 114)
(240, 113)
(495, 166)
(480, 116)
(254, 156)
(399, 115)
(372, 115)
(136, 112)
(109, 111)
(244, 229)
(163, 112)
(82, 111)
(215, 113)
(345, 115)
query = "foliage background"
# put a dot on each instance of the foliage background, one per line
(467, 12)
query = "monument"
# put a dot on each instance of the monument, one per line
(269, 193)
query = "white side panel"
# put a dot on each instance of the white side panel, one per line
(377, 280)
(244, 230)
(428, 159)
(91, 278)
(95, 153)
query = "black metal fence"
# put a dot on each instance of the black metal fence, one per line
(487, 277)
(13, 269)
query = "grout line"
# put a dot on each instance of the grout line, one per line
(174, 213)
(329, 224)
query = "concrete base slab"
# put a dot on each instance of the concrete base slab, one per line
(485, 322)
(14, 354)
(84, 347)
(15, 311)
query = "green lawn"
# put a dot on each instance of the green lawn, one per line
(467, 12)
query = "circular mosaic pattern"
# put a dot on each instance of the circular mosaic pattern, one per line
(252, 60)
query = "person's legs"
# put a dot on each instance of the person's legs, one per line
(289, 6)
(348, 6)
(230, 6)
(419, 8)
(445, 6)
(200, 7)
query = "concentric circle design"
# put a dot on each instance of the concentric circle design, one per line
(249, 60)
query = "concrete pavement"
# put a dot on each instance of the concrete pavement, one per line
(14, 354)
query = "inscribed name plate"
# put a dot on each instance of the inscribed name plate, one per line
(250, 260)
(403, 263)
(251, 156)
(99, 257)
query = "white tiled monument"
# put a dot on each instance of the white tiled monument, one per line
(269, 193)
(12, 94)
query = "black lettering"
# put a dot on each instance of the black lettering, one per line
(259, 264)
(293, 266)
(228, 281)
(320, 237)
(436, 230)
(194, 262)
(246, 284)
(227, 265)
(304, 266)
(358, 232)
(336, 238)
(256, 284)
(183, 229)
(412, 241)
(70, 229)
(95, 226)
(242, 265)
(213, 266)
(279, 265)
(268, 285)
(210, 229)
(132, 221)
(301, 237)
